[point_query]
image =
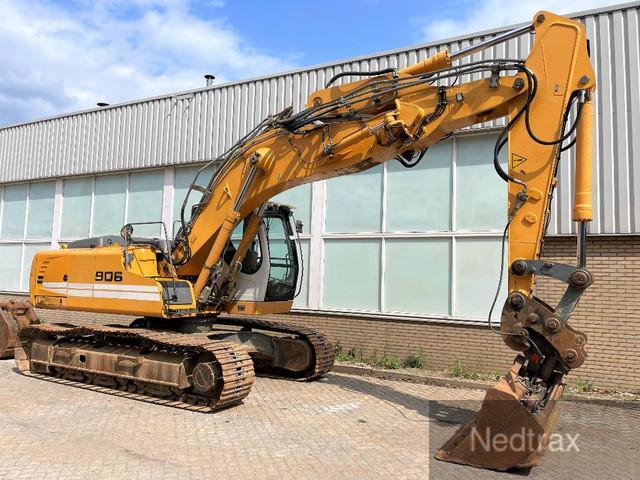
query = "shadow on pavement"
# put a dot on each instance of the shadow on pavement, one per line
(606, 436)
(444, 412)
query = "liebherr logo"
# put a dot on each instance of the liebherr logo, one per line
(523, 441)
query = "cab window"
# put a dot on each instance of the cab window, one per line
(253, 259)
(283, 271)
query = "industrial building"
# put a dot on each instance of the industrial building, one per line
(396, 262)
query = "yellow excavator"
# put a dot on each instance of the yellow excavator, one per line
(237, 253)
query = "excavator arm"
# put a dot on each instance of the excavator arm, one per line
(353, 127)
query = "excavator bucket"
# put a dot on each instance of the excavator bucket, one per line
(13, 316)
(8, 333)
(511, 430)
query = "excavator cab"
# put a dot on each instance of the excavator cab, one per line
(270, 268)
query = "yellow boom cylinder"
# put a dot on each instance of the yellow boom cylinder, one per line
(437, 62)
(248, 236)
(219, 245)
(582, 201)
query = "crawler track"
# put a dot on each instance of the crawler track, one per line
(234, 368)
(324, 353)
(234, 383)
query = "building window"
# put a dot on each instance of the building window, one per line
(101, 205)
(109, 204)
(477, 272)
(419, 199)
(10, 273)
(417, 277)
(14, 211)
(354, 202)
(480, 192)
(145, 202)
(352, 274)
(26, 217)
(76, 208)
(40, 217)
(183, 178)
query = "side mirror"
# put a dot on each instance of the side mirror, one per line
(299, 226)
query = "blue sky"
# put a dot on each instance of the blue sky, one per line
(66, 55)
(313, 32)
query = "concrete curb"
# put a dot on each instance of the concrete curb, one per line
(468, 384)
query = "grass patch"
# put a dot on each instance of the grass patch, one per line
(583, 386)
(460, 371)
(354, 354)
(389, 362)
(419, 360)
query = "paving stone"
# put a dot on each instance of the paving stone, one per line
(342, 427)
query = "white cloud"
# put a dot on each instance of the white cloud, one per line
(58, 59)
(487, 14)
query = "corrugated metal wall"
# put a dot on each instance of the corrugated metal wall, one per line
(197, 125)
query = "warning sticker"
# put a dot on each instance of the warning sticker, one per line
(517, 160)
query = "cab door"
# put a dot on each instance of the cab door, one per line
(271, 268)
(251, 282)
(283, 258)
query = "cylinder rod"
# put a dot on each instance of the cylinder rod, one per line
(582, 245)
(503, 37)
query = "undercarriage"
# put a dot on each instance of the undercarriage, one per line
(208, 365)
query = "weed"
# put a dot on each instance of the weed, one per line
(460, 371)
(419, 360)
(352, 355)
(388, 361)
(356, 355)
(583, 386)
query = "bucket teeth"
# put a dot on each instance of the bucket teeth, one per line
(506, 433)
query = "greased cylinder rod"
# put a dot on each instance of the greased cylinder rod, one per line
(516, 32)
